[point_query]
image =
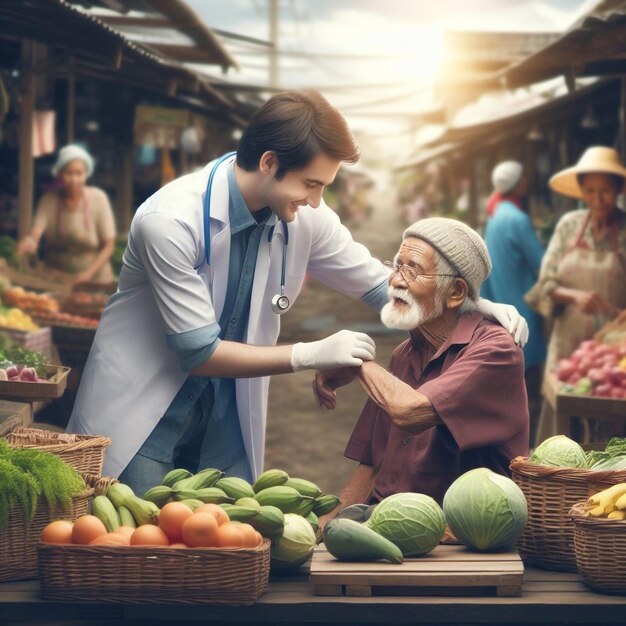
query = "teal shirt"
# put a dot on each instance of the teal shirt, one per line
(516, 255)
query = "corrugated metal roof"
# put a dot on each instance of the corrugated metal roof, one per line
(593, 46)
(101, 51)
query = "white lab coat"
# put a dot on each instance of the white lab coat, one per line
(131, 375)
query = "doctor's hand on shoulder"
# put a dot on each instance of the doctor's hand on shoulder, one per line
(345, 348)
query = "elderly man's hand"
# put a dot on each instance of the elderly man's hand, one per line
(508, 317)
(327, 381)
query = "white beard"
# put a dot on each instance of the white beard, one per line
(407, 320)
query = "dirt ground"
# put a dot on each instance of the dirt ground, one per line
(303, 439)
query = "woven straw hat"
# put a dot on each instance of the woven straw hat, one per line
(595, 160)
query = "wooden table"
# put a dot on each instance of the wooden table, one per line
(547, 597)
(14, 414)
(568, 405)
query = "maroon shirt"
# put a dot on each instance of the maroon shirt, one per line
(475, 382)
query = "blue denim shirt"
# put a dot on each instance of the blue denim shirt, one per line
(203, 415)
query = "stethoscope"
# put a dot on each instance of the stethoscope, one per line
(280, 302)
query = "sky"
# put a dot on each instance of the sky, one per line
(374, 59)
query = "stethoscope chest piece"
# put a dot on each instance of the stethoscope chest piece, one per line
(280, 303)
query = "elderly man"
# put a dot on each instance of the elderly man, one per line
(454, 396)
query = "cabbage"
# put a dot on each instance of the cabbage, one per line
(485, 510)
(295, 545)
(559, 451)
(413, 521)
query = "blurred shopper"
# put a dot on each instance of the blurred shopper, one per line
(77, 221)
(453, 398)
(582, 282)
(516, 254)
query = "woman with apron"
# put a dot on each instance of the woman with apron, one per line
(77, 221)
(582, 283)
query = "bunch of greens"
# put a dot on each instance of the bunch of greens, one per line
(26, 474)
(613, 457)
(7, 250)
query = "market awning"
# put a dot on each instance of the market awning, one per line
(87, 46)
(593, 46)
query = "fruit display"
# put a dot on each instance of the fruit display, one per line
(65, 319)
(16, 319)
(205, 510)
(609, 503)
(29, 300)
(594, 369)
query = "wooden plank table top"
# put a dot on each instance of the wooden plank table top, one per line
(13, 414)
(547, 597)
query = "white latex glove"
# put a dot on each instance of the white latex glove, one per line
(507, 316)
(343, 349)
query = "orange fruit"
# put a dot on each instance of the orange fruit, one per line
(110, 539)
(177, 545)
(86, 529)
(171, 519)
(250, 539)
(125, 531)
(216, 511)
(149, 535)
(200, 530)
(230, 535)
(59, 531)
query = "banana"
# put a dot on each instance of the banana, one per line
(620, 503)
(287, 499)
(249, 502)
(173, 476)
(104, 510)
(617, 515)
(235, 487)
(305, 487)
(160, 495)
(126, 517)
(325, 504)
(270, 478)
(269, 521)
(143, 511)
(597, 511)
(117, 492)
(610, 496)
(206, 478)
(241, 513)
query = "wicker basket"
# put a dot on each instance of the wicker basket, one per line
(19, 540)
(139, 575)
(85, 453)
(600, 546)
(548, 539)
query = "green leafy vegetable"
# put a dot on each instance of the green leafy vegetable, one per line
(559, 451)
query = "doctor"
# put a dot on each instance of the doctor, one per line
(178, 373)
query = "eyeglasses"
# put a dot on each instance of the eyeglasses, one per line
(410, 274)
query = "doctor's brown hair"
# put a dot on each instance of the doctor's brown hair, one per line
(296, 126)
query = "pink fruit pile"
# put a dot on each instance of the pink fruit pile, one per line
(22, 374)
(604, 365)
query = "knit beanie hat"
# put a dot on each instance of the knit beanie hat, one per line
(506, 175)
(461, 246)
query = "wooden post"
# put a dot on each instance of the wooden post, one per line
(473, 192)
(124, 201)
(25, 184)
(622, 120)
(71, 105)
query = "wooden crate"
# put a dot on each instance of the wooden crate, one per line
(568, 405)
(447, 570)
